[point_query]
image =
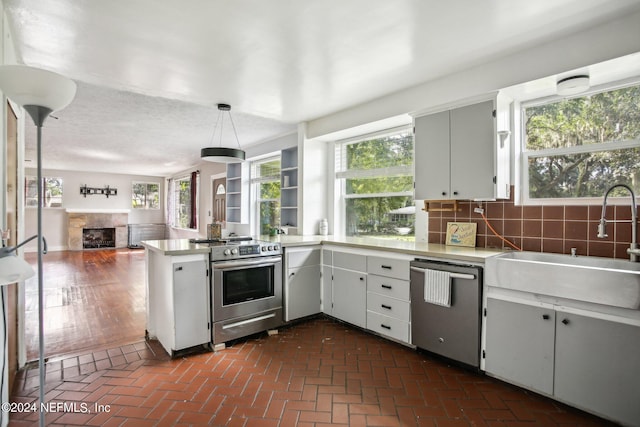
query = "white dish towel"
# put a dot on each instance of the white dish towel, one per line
(437, 287)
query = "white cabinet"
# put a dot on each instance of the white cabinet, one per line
(597, 366)
(520, 343)
(350, 296)
(345, 286)
(388, 300)
(586, 359)
(238, 193)
(458, 153)
(302, 282)
(178, 300)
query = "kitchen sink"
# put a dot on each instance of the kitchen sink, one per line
(597, 280)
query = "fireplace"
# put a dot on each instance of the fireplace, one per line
(94, 238)
(80, 220)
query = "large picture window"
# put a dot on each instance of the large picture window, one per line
(374, 174)
(577, 148)
(265, 180)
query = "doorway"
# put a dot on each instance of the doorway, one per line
(219, 198)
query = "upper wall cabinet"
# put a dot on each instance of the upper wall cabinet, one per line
(459, 153)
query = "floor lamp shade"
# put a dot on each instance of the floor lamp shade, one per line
(37, 87)
(14, 269)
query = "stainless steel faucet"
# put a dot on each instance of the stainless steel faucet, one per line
(633, 250)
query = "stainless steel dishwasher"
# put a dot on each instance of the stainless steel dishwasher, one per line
(448, 323)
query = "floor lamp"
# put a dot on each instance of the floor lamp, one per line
(39, 92)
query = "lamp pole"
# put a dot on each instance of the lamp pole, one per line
(39, 114)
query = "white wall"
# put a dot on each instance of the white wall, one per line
(54, 220)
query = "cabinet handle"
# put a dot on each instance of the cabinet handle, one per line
(444, 193)
(565, 321)
(178, 268)
(292, 274)
(386, 286)
(388, 307)
(455, 193)
(545, 316)
(362, 279)
(386, 267)
(382, 325)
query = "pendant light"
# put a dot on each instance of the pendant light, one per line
(222, 154)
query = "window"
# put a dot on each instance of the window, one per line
(145, 195)
(374, 176)
(265, 180)
(577, 148)
(183, 201)
(51, 190)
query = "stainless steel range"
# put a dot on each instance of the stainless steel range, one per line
(246, 288)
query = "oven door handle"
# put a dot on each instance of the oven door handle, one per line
(262, 262)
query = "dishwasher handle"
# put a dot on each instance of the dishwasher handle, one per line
(452, 275)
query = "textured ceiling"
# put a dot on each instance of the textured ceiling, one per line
(150, 72)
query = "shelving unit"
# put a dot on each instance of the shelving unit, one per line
(289, 188)
(237, 193)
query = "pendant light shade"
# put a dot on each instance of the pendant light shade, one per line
(222, 154)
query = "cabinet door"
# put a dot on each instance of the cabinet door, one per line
(520, 344)
(350, 296)
(303, 292)
(432, 156)
(598, 366)
(472, 151)
(327, 292)
(191, 304)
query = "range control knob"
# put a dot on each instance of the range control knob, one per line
(227, 252)
(271, 248)
(234, 251)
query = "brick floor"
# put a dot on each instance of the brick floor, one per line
(317, 373)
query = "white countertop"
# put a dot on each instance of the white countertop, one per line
(417, 249)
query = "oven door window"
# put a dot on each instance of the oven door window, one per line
(247, 284)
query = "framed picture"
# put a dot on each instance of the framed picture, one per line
(461, 234)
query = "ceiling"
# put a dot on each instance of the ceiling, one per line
(151, 72)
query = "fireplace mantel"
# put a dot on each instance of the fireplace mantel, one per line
(104, 211)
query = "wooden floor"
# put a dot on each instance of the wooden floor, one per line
(93, 299)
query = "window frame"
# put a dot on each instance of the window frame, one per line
(341, 174)
(32, 178)
(173, 193)
(146, 184)
(255, 182)
(523, 155)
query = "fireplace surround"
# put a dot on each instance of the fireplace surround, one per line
(79, 220)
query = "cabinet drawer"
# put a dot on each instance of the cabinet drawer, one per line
(350, 261)
(302, 257)
(389, 326)
(390, 307)
(394, 288)
(396, 268)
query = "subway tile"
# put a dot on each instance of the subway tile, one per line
(532, 228)
(512, 211)
(552, 212)
(601, 248)
(552, 230)
(576, 230)
(512, 228)
(576, 213)
(553, 245)
(532, 212)
(531, 244)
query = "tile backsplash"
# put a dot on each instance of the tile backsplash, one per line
(554, 229)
